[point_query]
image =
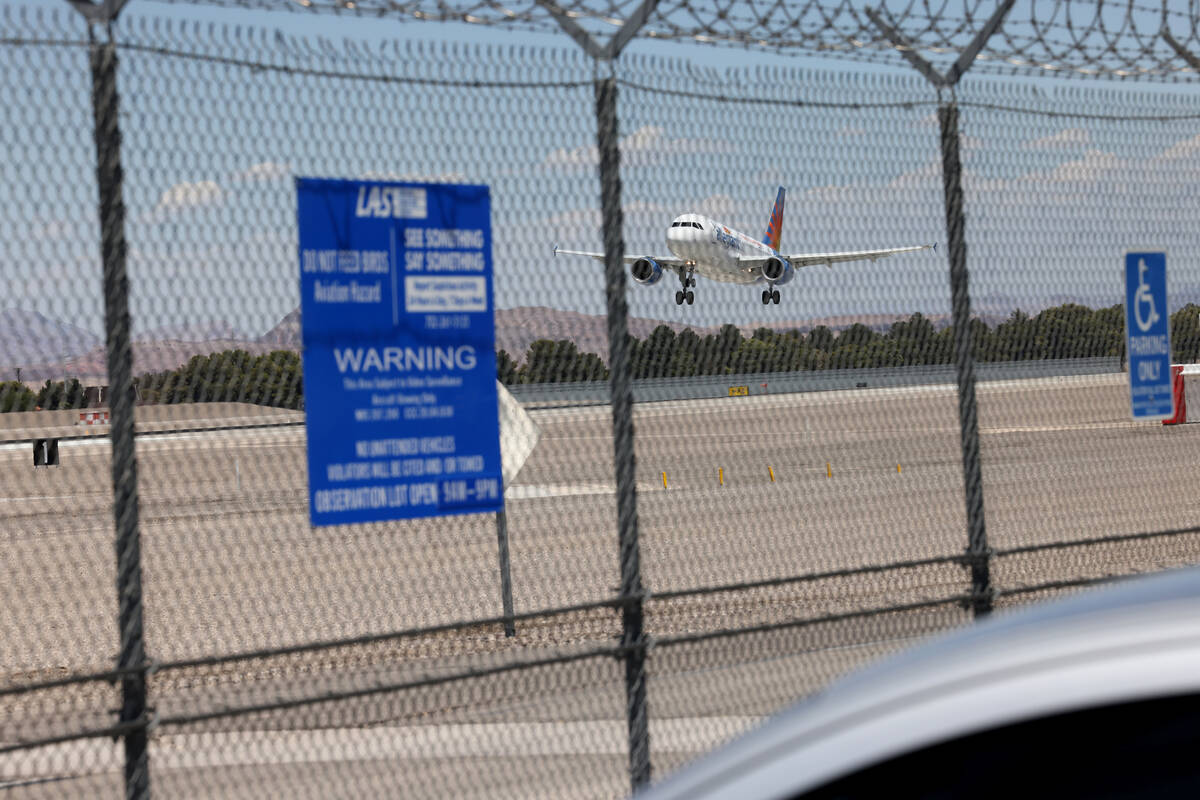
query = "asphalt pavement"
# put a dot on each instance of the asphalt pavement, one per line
(729, 490)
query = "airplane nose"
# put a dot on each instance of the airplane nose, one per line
(683, 233)
(676, 241)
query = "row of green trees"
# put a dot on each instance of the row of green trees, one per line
(16, 396)
(234, 376)
(551, 362)
(1066, 331)
(271, 379)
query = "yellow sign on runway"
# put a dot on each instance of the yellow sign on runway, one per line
(739, 391)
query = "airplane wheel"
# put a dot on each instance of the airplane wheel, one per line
(766, 296)
(775, 297)
(690, 297)
(679, 298)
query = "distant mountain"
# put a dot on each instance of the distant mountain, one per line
(1004, 304)
(38, 344)
(160, 356)
(28, 338)
(48, 350)
(210, 331)
(286, 333)
(518, 328)
(1065, 299)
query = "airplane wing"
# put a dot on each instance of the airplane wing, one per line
(829, 259)
(666, 262)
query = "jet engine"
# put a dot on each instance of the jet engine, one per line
(646, 271)
(777, 270)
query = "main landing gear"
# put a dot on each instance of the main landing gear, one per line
(686, 295)
(770, 296)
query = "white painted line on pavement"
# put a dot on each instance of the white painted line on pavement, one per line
(481, 740)
(563, 490)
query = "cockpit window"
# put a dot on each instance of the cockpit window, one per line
(687, 225)
(697, 225)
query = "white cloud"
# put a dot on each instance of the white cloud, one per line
(770, 176)
(720, 207)
(56, 230)
(647, 145)
(1094, 165)
(1068, 137)
(264, 171)
(583, 225)
(645, 224)
(416, 177)
(923, 177)
(580, 156)
(1184, 148)
(190, 195)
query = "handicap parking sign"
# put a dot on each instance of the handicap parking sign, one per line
(1148, 336)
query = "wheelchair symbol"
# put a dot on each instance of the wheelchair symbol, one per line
(1143, 296)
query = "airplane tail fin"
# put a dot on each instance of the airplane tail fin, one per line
(775, 226)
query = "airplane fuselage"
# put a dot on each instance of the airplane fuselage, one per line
(716, 250)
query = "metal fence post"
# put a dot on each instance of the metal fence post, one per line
(510, 628)
(978, 554)
(633, 639)
(132, 657)
(632, 622)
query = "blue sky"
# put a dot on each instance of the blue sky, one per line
(211, 152)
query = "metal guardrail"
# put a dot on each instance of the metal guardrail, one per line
(651, 390)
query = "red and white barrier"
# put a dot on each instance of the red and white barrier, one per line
(1179, 389)
(93, 418)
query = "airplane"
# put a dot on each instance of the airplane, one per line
(703, 246)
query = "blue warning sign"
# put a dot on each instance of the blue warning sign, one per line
(399, 350)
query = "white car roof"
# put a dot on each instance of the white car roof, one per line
(1138, 639)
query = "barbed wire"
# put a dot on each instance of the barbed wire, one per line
(347, 60)
(1061, 38)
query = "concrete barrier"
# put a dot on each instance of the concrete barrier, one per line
(650, 390)
(67, 424)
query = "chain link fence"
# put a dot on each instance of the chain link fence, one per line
(797, 506)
